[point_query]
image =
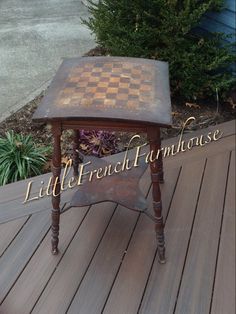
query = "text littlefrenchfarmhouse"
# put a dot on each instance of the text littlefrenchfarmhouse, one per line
(125, 164)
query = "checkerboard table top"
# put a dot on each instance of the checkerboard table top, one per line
(108, 88)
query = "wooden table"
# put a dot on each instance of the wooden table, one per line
(108, 93)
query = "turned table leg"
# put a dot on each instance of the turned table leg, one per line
(56, 186)
(154, 140)
(160, 165)
(75, 152)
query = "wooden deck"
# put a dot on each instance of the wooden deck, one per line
(107, 261)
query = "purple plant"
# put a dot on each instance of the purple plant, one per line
(98, 143)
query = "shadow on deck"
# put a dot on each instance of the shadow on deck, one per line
(107, 261)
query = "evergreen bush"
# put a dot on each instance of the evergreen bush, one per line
(165, 30)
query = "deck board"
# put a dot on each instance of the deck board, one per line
(224, 296)
(162, 287)
(107, 261)
(40, 268)
(198, 276)
(104, 232)
(21, 249)
(13, 207)
(130, 283)
(103, 269)
(70, 271)
(9, 231)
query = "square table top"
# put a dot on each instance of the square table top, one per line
(108, 89)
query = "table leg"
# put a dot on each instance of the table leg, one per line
(154, 140)
(160, 166)
(56, 171)
(75, 152)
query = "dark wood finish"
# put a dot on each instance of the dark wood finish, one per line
(109, 88)
(106, 125)
(113, 93)
(56, 171)
(160, 166)
(122, 188)
(75, 152)
(155, 144)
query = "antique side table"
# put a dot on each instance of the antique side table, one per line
(108, 93)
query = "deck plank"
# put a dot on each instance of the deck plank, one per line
(227, 129)
(94, 288)
(106, 262)
(34, 278)
(226, 144)
(198, 277)
(19, 188)
(16, 209)
(12, 209)
(162, 287)
(129, 285)
(21, 249)
(122, 216)
(8, 232)
(100, 265)
(224, 289)
(62, 285)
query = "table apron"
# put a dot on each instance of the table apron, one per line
(103, 126)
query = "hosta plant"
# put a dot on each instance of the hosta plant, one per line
(20, 157)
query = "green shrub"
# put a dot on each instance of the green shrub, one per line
(20, 158)
(164, 30)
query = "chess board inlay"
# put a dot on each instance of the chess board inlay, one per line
(122, 85)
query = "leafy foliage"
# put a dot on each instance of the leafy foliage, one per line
(20, 158)
(98, 143)
(164, 30)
